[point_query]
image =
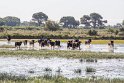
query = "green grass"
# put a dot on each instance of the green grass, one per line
(5, 78)
(9, 78)
(89, 69)
(64, 33)
(65, 54)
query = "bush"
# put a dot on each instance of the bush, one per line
(92, 32)
(51, 26)
(122, 29)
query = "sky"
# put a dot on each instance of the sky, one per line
(111, 10)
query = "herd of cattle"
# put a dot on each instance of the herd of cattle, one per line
(71, 44)
(74, 44)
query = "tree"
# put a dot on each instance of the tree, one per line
(51, 26)
(116, 32)
(69, 22)
(85, 20)
(96, 20)
(92, 32)
(11, 21)
(1, 22)
(39, 17)
(123, 23)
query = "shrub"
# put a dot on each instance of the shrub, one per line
(89, 69)
(51, 26)
(92, 32)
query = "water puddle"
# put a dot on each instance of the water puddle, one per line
(70, 68)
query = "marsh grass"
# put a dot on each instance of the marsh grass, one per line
(91, 60)
(78, 71)
(48, 69)
(60, 53)
(89, 69)
(6, 78)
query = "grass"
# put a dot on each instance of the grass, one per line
(77, 71)
(6, 78)
(65, 54)
(89, 69)
(91, 60)
(64, 33)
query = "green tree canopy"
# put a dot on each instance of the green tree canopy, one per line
(123, 23)
(11, 21)
(85, 20)
(1, 22)
(96, 20)
(69, 22)
(51, 26)
(39, 17)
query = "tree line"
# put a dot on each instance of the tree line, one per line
(94, 20)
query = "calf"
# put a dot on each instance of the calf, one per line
(87, 43)
(18, 44)
(8, 38)
(69, 44)
(111, 46)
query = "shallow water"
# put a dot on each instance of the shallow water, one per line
(119, 48)
(106, 68)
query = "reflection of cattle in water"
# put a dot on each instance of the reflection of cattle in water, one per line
(74, 44)
(18, 44)
(87, 43)
(111, 46)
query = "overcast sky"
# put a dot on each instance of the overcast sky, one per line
(112, 10)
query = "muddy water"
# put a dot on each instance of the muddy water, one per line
(108, 68)
(119, 48)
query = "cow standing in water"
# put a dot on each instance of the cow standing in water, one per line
(74, 44)
(8, 38)
(111, 46)
(32, 43)
(25, 42)
(87, 43)
(18, 44)
(57, 43)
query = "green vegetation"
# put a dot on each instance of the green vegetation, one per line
(8, 78)
(89, 69)
(92, 32)
(51, 26)
(22, 32)
(55, 53)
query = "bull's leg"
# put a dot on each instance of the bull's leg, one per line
(79, 47)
